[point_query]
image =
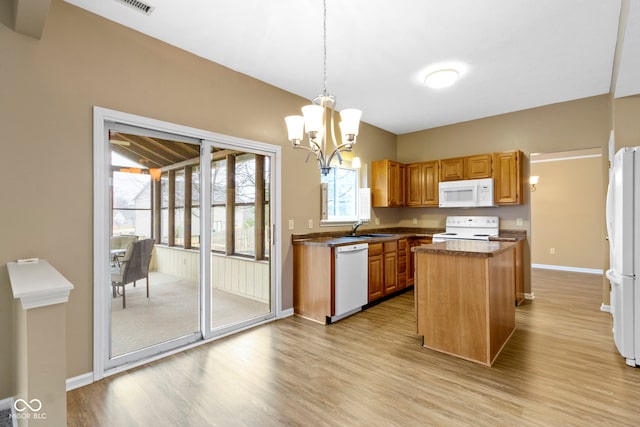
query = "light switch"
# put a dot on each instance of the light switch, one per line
(291, 224)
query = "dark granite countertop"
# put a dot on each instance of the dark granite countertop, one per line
(385, 235)
(477, 248)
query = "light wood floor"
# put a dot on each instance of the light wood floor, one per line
(559, 368)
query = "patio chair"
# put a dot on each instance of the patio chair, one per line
(119, 244)
(134, 266)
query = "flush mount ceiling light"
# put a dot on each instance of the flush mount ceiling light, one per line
(441, 78)
(318, 122)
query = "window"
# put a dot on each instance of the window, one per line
(341, 185)
(218, 204)
(178, 208)
(245, 204)
(131, 204)
(195, 206)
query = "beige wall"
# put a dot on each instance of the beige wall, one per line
(49, 87)
(566, 212)
(626, 114)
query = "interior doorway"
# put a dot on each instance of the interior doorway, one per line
(567, 211)
(203, 204)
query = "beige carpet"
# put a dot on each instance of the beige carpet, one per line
(171, 311)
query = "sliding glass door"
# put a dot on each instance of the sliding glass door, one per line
(240, 285)
(155, 190)
(188, 228)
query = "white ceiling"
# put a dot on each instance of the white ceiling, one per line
(512, 55)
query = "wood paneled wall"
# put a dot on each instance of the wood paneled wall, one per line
(239, 276)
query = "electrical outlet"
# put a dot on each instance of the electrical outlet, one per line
(552, 251)
(310, 223)
(415, 220)
(519, 221)
(377, 221)
(291, 224)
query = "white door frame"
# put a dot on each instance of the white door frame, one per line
(101, 218)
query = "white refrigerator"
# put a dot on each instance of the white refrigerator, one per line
(623, 229)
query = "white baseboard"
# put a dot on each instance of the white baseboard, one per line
(286, 313)
(565, 268)
(530, 296)
(79, 381)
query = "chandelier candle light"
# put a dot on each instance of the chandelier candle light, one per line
(317, 121)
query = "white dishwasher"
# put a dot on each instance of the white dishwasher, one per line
(351, 279)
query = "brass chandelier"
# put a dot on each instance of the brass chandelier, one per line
(317, 121)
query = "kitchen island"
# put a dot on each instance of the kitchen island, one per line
(464, 297)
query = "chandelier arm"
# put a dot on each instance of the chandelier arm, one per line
(341, 148)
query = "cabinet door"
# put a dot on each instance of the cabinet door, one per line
(380, 181)
(452, 169)
(396, 184)
(429, 180)
(390, 272)
(376, 277)
(414, 184)
(507, 178)
(390, 260)
(387, 183)
(403, 248)
(476, 167)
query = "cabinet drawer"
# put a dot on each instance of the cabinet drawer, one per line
(402, 244)
(390, 246)
(375, 249)
(402, 265)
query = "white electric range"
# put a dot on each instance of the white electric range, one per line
(469, 228)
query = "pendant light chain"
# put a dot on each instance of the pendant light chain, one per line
(324, 64)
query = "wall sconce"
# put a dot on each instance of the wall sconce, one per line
(533, 180)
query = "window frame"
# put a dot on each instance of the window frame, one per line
(336, 221)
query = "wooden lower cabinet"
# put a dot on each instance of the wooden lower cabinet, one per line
(464, 304)
(376, 271)
(403, 249)
(384, 276)
(411, 256)
(390, 267)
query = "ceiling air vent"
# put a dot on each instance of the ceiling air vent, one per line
(138, 5)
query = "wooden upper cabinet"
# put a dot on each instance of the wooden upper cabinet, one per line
(470, 167)
(508, 178)
(452, 169)
(387, 182)
(476, 167)
(422, 184)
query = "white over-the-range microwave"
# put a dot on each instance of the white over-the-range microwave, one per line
(466, 194)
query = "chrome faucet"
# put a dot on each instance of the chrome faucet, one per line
(355, 227)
